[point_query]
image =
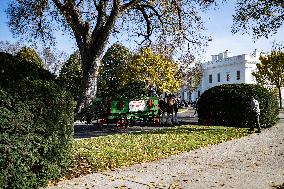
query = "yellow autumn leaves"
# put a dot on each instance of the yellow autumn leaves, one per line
(154, 69)
(116, 151)
(124, 73)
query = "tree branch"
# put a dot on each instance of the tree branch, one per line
(101, 14)
(79, 3)
(129, 5)
(74, 20)
(148, 22)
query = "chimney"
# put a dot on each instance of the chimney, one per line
(214, 57)
(220, 56)
(227, 54)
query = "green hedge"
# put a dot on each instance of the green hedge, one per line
(36, 125)
(229, 105)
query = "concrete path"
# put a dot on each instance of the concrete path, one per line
(254, 162)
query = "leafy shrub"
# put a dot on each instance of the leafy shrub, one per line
(229, 105)
(14, 71)
(36, 125)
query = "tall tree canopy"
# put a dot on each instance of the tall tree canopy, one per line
(91, 22)
(52, 58)
(30, 55)
(71, 74)
(261, 17)
(112, 75)
(125, 74)
(155, 69)
(271, 71)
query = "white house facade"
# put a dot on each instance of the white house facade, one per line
(226, 69)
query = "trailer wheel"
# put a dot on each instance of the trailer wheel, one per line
(101, 122)
(122, 124)
(157, 121)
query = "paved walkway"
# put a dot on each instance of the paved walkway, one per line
(254, 162)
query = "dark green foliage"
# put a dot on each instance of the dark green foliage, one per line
(36, 125)
(14, 71)
(134, 90)
(71, 74)
(99, 108)
(112, 75)
(229, 105)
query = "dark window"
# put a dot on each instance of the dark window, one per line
(238, 75)
(210, 78)
(228, 76)
(218, 77)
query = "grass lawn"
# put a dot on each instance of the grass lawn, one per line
(114, 151)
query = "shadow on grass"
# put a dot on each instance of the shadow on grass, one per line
(94, 131)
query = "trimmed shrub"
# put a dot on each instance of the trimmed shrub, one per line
(36, 125)
(229, 105)
(13, 71)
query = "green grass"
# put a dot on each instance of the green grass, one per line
(109, 152)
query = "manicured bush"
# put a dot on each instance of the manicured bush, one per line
(36, 125)
(229, 105)
(14, 70)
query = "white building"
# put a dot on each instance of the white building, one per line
(226, 69)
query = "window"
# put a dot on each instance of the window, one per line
(218, 77)
(210, 78)
(238, 75)
(228, 76)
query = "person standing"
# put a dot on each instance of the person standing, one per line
(195, 107)
(255, 114)
(152, 90)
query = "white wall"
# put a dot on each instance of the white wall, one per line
(246, 64)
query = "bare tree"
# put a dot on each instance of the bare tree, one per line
(8, 47)
(91, 23)
(193, 76)
(53, 59)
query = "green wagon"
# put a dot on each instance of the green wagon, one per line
(124, 112)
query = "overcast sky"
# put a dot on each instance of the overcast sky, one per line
(218, 23)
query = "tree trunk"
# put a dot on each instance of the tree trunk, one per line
(91, 52)
(280, 97)
(88, 87)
